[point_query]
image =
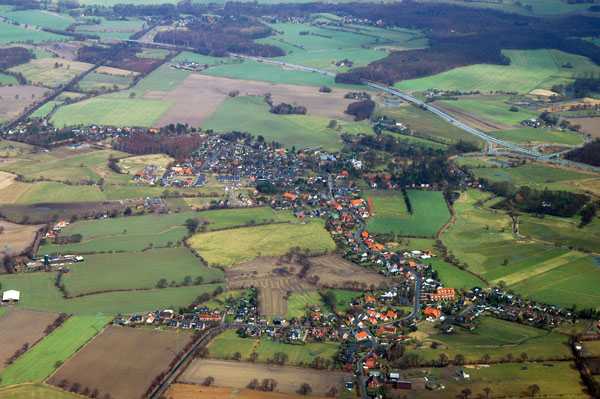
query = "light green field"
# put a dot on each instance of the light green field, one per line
(251, 114)
(135, 164)
(111, 111)
(227, 218)
(124, 189)
(494, 108)
(142, 270)
(529, 69)
(226, 344)
(103, 82)
(229, 247)
(152, 53)
(430, 212)
(35, 391)
(538, 7)
(14, 34)
(39, 18)
(39, 293)
(8, 80)
(562, 231)
(531, 135)
(162, 79)
(387, 203)
(417, 141)
(483, 240)
(45, 191)
(454, 277)
(41, 71)
(298, 303)
(39, 362)
(110, 3)
(39, 53)
(45, 109)
(427, 125)
(114, 29)
(65, 164)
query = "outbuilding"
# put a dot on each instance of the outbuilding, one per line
(11, 296)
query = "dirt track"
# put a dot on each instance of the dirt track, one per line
(200, 95)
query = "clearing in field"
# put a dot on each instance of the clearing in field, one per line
(118, 361)
(189, 391)
(17, 237)
(14, 99)
(111, 111)
(14, 335)
(229, 247)
(41, 360)
(51, 72)
(198, 96)
(429, 213)
(529, 69)
(251, 114)
(10, 33)
(288, 379)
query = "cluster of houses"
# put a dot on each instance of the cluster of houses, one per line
(56, 229)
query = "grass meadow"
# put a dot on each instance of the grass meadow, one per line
(45, 109)
(42, 71)
(35, 391)
(251, 114)
(41, 360)
(229, 247)
(563, 231)
(529, 69)
(103, 82)
(111, 111)
(113, 29)
(494, 108)
(10, 33)
(531, 135)
(45, 191)
(429, 213)
(39, 18)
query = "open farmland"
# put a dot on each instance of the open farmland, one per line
(125, 272)
(288, 379)
(564, 231)
(387, 203)
(189, 391)
(15, 99)
(46, 212)
(41, 360)
(35, 391)
(103, 82)
(493, 108)
(429, 213)
(47, 192)
(40, 18)
(17, 237)
(198, 96)
(45, 109)
(112, 29)
(39, 293)
(335, 272)
(529, 69)
(426, 125)
(111, 111)
(14, 337)
(44, 72)
(118, 361)
(15, 34)
(230, 247)
(531, 135)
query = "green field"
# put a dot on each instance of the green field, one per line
(14, 34)
(531, 135)
(454, 277)
(427, 125)
(430, 212)
(251, 114)
(45, 191)
(111, 111)
(45, 109)
(529, 69)
(112, 272)
(40, 361)
(230, 247)
(35, 391)
(152, 53)
(227, 218)
(39, 293)
(39, 18)
(103, 82)
(298, 303)
(484, 241)
(44, 72)
(387, 203)
(226, 344)
(162, 79)
(8, 80)
(112, 29)
(564, 231)
(494, 108)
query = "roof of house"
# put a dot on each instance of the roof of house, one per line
(11, 295)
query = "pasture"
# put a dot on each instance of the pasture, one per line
(10, 33)
(387, 203)
(111, 111)
(17, 237)
(429, 213)
(35, 391)
(563, 231)
(135, 164)
(251, 114)
(496, 338)
(426, 125)
(51, 72)
(239, 245)
(39, 18)
(45, 109)
(46, 212)
(47, 192)
(41, 360)
(494, 108)
(556, 380)
(117, 361)
(531, 135)
(188, 391)
(529, 69)
(128, 272)
(39, 293)
(103, 82)
(288, 379)
(112, 29)
(14, 337)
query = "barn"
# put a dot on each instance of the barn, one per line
(11, 296)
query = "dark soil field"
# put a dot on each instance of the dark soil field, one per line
(122, 361)
(43, 213)
(142, 65)
(334, 271)
(288, 379)
(19, 327)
